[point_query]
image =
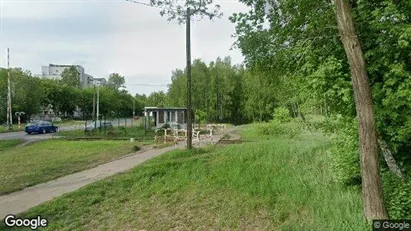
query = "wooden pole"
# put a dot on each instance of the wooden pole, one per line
(188, 54)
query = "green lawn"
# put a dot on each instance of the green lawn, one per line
(7, 144)
(272, 183)
(21, 167)
(116, 132)
(69, 123)
(14, 128)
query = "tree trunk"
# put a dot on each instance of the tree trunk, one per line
(389, 159)
(373, 201)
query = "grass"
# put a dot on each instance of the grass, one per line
(69, 122)
(271, 184)
(7, 144)
(15, 128)
(116, 132)
(21, 167)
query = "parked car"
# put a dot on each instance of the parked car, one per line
(40, 127)
(96, 125)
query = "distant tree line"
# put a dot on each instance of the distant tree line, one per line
(32, 94)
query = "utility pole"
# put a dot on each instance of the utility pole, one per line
(9, 112)
(94, 103)
(188, 54)
(98, 102)
(217, 91)
(134, 112)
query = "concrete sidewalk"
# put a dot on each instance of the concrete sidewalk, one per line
(27, 198)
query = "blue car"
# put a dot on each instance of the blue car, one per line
(40, 127)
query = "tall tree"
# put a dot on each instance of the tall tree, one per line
(116, 81)
(373, 201)
(183, 14)
(71, 77)
(156, 99)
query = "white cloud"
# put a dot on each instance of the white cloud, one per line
(110, 36)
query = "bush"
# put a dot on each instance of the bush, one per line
(397, 196)
(345, 150)
(136, 148)
(282, 114)
(275, 127)
(347, 169)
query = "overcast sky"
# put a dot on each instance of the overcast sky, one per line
(108, 36)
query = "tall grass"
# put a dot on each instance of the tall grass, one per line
(271, 184)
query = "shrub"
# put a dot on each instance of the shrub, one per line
(136, 148)
(345, 151)
(275, 127)
(347, 169)
(397, 196)
(282, 114)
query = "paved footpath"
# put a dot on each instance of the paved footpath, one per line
(27, 198)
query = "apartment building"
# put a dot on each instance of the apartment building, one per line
(53, 71)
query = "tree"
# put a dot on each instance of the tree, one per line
(85, 100)
(24, 98)
(116, 81)
(373, 201)
(70, 77)
(183, 14)
(156, 99)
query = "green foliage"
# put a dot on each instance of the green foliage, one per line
(200, 116)
(70, 77)
(116, 81)
(136, 148)
(345, 153)
(217, 90)
(277, 128)
(156, 99)
(26, 93)
(177, 10)
(282, 114)
(397, 191)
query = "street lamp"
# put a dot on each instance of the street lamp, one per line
(18, 114)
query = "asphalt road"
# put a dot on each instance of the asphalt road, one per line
(25, 136)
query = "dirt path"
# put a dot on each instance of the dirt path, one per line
(27, 198)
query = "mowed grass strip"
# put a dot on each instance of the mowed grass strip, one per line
(21, 167)
(115, 132)
(7, 144)
(277, 184)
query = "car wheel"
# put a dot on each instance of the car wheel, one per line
(29, 133)
(43, 131)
